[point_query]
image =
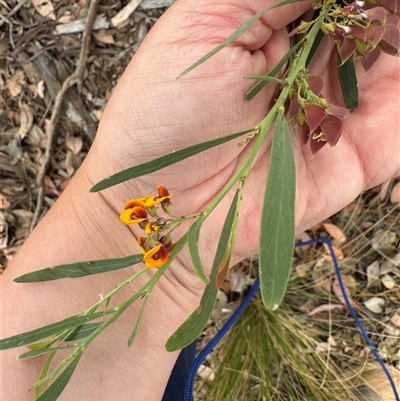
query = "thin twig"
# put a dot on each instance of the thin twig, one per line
(14, 10)
(4, 19)
(74, 78)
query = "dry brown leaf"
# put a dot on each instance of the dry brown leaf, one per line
(350, 282)
(335, 232)
(37, 90)
(339, 294)
(373, 273)
(338, 253)
(395, 193)
(16, 83)
(383, 239)
(222, 300)
(303, 269)
(206, 373)
(395, 319)
(4, 203)
(388, 281)
(104, 36)
(65, 18)
(45, 8)
(50, 187)
(325, 308)
(47, 125)
(97, 113)
(23, 218)
(373, 379)
(389, 265)
(321, 277)
(3, 231)
(26, 120)
(74, 144)
(35, 135)
(375, 304)
(71, 163)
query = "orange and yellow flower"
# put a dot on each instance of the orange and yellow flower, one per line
(156, 257)
(133, 215)
(139, 211)
(151, 227)
(134, 202)
(165, 198)
(142, 242)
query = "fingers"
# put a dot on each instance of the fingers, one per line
(207, 21)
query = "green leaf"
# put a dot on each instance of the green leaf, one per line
(193, 239)
(43, 373)
(277, 220)
(194, 325)
(38, 352)
(138, 321)
(51, 329)
(57, 387)
(239, 32)
(82, 331)
(317, 41)
(266, 78)
(263, 81)
(348, 82)
(163, 161)
(80, 269)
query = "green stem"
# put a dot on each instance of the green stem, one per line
(118, 310)
(299, 63)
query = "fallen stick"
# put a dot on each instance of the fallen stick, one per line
(74, 78)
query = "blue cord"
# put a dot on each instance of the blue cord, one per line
(188, 395)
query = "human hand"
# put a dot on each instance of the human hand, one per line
(152, 113)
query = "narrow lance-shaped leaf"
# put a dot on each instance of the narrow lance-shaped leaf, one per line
(82, 331)
(43, 373)
(79, 269)
(49, 330)
(239, 32)
(317, 41)
(193, 239)
(277, 221)
(269, 77)
(164, 161)
(266, 78)
(194, 325)
(138, 321)
(348, 82)
(78, 333)
(57, 387)
(38, 352)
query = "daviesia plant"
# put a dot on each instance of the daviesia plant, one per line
(359, 30)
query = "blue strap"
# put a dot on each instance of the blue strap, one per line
(188, 395)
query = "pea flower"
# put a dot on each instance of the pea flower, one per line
(156, 257)
(135, 212)
(155, 247)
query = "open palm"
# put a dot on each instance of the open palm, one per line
(152, 113)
